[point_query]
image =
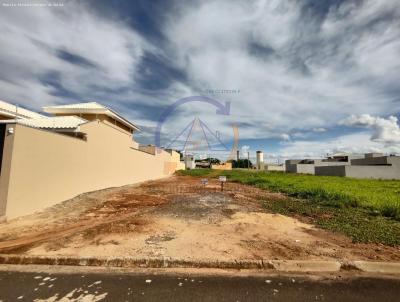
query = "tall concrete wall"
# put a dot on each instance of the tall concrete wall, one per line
(305, 168)
(294, 166)
(376, 172)
(331, 170)
(275, 168)
(42, 168)
(371, 166)
(320, 163)
(381, 160)
(291, 165)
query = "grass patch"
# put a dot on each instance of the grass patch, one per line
(364, 209)
(357, 223)
(379, 196)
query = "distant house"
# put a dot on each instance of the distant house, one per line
(203, 164)
(81, 147)
(369, 165)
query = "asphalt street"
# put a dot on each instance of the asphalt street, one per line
(22, 286)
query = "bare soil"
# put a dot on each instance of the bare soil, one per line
(179, 218)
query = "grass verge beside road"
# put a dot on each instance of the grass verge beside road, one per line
(366, 210)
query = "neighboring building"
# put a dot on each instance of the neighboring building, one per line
(370, 165)
(85, 147)
(176, 158)
(94, 111)
(151, 149)
(302, 166)
(189, 162)
(307, 166)
(373, 165)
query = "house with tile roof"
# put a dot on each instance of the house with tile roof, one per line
(76, 148)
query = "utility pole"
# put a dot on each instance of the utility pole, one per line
(248, 160)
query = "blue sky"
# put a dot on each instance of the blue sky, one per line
(308, 77)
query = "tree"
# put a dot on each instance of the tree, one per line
(211, 160)
(242, 163)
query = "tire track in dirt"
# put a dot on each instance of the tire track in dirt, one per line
(30, 241)
(117, 207)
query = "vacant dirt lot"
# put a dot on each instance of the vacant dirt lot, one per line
(178, 218)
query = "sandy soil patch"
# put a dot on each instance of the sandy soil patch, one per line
(178, 218)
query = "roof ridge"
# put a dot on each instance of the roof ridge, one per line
(59, 117)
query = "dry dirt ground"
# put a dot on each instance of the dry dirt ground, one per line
(179, 218)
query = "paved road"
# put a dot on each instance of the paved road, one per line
(21, 286)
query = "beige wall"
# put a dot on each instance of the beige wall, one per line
(46, 168)
(224, 166)
(5, 169)
(148, 149)
(181, 165)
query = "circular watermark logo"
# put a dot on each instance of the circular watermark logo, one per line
(222, 109)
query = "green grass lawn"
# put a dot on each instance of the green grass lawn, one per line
(365, 209)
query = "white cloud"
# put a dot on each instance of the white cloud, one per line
(351, 143)
(33, 38)
(245, 149)
(385, 138)
(295, 73)
(285, 137)
(319, 129)
(386, 131)
(290, 70)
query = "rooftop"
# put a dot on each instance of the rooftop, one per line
(90, 108)
(57, 122)
(12, 111)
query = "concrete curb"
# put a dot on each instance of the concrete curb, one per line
(302, 266)
(306, 266)
(378, 267)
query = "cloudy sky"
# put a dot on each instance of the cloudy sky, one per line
(303, 77)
